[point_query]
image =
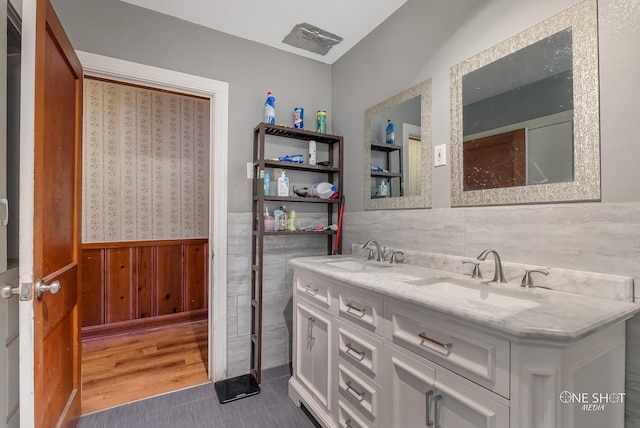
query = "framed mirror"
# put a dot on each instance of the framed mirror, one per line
(525, 116)
(397, 151)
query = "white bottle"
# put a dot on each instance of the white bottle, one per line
(283, 185)
(323, 190)
(312, 152)
(384, 189)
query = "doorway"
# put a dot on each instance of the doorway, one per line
(217, 94)
(145, 242)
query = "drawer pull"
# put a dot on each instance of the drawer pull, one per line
(356, 393)
(355, 308)
(446, 346)
(351, 349)
(429, 420)
(309, 289)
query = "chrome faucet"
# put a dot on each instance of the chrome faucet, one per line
(498, 276)
(379, 253)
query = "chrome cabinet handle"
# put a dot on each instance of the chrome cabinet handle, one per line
(359, 395)
(436, 411)
(311, 290)
(351, 349)
(350, 307)
(429, 394)
(446, 346)
(42, 287)
(310, 322)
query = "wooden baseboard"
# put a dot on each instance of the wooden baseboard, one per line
(96, 331)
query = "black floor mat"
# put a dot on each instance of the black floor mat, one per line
(236, 388)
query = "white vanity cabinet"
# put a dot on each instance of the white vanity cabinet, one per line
(313, 356)
(368, 359)
(421, 394)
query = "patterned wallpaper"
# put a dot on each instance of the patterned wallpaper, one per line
(145, 164)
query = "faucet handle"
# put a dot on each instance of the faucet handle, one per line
(526, 279)
(476, 268)
(394, 256)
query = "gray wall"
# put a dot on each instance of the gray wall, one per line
(600, 237)
(117, 29)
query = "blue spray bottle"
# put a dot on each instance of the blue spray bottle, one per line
(270, 109)
(391, 135)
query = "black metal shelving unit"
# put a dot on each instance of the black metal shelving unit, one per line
(390, 150)
(334, 173)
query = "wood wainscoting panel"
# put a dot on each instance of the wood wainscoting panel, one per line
(144, 274)
(170, 296)
(129, 281)
(92, 287)
(196, 276)
(119, 279)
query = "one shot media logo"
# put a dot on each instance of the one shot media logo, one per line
(592, 401)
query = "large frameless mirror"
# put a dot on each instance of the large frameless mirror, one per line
(397, 151)
(525, 119)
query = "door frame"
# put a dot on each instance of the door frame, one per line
(218, 94)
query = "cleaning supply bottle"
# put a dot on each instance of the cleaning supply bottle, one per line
(292, 221)
(269, 225)
(283, 185)
(270, 109)
(323, 190)
(283, 220)
(267, 183)
(391, 135)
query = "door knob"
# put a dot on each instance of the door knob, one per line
(7, 291)
(42, 287)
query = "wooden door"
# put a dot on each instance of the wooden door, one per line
(56, 205)
(495, 161)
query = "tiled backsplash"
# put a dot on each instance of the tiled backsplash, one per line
(607, 286)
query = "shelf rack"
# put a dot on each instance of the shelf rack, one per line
(334, 173)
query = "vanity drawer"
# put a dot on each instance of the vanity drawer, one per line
(477, 356)
(360, 350)
(361, 309)
(350, 418)
(361, 393)
(314, 289)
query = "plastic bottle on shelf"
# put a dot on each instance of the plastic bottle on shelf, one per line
(390, 131)
(323, 190)
(312, 152)
(267, 183)
(283, 185)
(269, 222)
(292, 220)
(270, 109)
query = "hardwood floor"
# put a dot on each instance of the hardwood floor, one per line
(122, 368)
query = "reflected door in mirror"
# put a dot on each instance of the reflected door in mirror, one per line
(495, 161)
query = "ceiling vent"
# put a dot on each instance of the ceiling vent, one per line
(312, 39)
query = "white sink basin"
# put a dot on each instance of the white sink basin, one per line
(484, 293)
(359, 265)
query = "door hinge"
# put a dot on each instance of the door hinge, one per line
(25, 292)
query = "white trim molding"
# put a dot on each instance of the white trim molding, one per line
(218, 94)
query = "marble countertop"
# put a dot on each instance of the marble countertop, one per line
(509, 309)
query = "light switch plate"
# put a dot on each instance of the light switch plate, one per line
(249, 170)
(440, 155)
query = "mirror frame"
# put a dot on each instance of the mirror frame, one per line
(423, 200)
(583, 21)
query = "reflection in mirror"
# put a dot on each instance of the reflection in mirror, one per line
(525, 120)
(398, 150)
(518, 117)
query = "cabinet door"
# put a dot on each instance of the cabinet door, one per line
(313, 352)
(459, 404)
(410, 391)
